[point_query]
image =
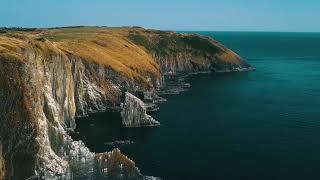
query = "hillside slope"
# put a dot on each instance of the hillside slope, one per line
(50, 76)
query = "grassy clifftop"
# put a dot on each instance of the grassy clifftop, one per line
(104, 46)
(129, 51)
(171, 43)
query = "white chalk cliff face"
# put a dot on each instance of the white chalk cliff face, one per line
(68, 90)
(50, 93)
(134, 113)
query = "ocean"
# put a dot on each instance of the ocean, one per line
(261, 125)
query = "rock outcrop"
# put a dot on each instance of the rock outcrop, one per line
(134, 113)
(117, 166)
(50, 76)
(108, 165)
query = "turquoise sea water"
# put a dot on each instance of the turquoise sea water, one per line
(259, 125)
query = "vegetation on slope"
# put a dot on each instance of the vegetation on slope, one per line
(103, 46)
(170, 43)
(128, 51)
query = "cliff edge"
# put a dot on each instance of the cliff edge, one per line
(50, 76)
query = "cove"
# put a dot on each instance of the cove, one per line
(257, 125)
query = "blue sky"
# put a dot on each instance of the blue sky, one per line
(219, 15)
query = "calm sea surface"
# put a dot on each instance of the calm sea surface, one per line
(259, 125)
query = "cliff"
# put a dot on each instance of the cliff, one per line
(50, 76)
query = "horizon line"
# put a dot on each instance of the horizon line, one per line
(152, 28)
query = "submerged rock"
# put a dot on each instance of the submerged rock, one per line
(151, 107)
(151, 178)
(134, 113)
(115, 144)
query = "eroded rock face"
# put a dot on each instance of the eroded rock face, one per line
(134, 113)
(67, 90)
(18, 129)
(39, 101)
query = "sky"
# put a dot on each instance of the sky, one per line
(206, 15)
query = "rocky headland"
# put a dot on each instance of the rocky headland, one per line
(48, 77)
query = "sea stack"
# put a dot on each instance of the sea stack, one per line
(134, 113)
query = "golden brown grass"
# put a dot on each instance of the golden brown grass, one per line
(128, 51)
(11, 48)
(105, 46)
(230, 56)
